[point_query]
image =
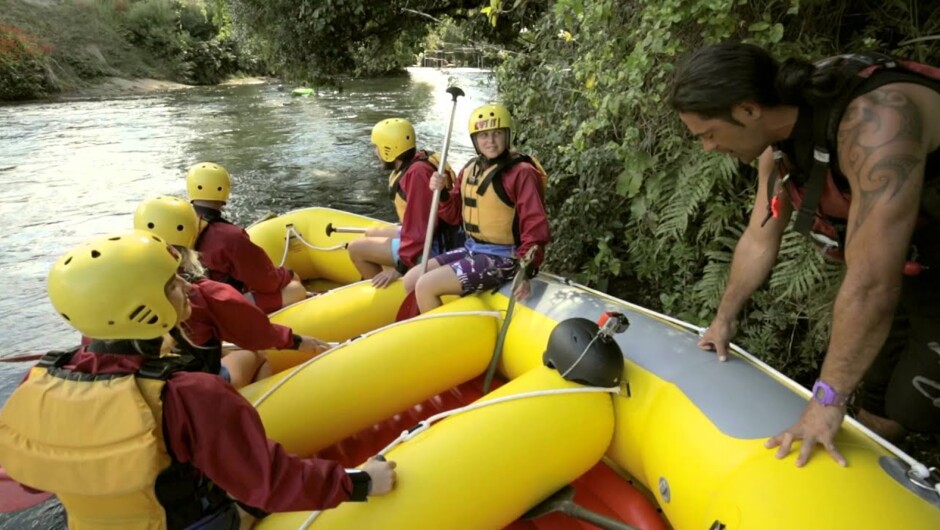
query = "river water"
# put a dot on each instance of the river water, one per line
(70, 170)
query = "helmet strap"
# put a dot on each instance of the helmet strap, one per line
(580, 357)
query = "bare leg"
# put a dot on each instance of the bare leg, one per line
(263, 372)
(385, 231)
(886, 428)
(434, 284)
(293, 293)
(411, 277)
(242, 365)
(369, 254)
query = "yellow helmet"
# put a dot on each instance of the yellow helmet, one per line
(171, 218)
(112, 287)
(393, 137)
(490, 117)
(208, 182)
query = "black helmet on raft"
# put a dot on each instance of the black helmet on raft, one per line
(584, 353)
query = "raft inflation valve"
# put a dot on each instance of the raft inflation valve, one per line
(585, 353)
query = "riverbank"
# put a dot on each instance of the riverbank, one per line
(113, 87)
(106, 48)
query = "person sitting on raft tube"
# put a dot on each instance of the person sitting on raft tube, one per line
(127, 438)
(398, 248)
(500, 198)
(219, 312)
(226, 250)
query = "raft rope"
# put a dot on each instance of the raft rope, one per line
(424, 425)
(919, 474)
(297, 369)
(292, 232)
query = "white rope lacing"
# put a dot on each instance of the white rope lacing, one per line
(424, 425)
(293, 233)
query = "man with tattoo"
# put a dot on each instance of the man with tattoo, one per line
(856, 153)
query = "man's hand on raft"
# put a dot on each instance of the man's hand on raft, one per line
(818, 425)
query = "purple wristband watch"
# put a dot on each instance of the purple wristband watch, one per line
(826, 395)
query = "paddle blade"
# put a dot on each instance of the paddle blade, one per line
(409, 308)
(14, 497)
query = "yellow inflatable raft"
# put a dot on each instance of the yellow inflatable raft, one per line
(300, 241)
(684, 426)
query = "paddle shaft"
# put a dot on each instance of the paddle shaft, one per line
(21, 358)
(455, 92)
(563, 501)
(330, 230)
(501, 338)
(601, 521)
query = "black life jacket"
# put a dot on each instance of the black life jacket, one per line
(808, 162)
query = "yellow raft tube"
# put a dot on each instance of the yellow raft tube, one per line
(299, 240)
(688, 428)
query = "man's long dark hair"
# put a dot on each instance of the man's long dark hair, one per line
(719, 76)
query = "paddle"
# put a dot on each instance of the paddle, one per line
(409, 308)
(501, 338)
(265, 217)
(561, 501)
(14, 497)
(330, 230)
(21, 358)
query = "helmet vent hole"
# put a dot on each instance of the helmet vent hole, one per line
(140, 309)
(150, 225)
(110, 322)
(118, 238)
(199, 187)
(95, 254)
(69, 260)
(220, 188)
(66, 317)
(153, 319)
(179, 228)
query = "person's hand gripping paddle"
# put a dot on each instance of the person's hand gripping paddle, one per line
(409, 308)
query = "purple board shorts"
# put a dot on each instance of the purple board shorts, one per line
(478, 272)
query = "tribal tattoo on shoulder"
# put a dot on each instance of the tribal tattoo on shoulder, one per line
(880, 147)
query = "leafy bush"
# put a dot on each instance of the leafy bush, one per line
(23, 70)
(152, 24)
(637, 208)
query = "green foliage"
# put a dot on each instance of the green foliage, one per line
(326, 38)
(636, 207)
(182, 40)
(185, 34)
(23, 71)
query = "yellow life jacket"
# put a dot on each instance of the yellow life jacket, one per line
(94, 440)
(489, 216)
(394, 187)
